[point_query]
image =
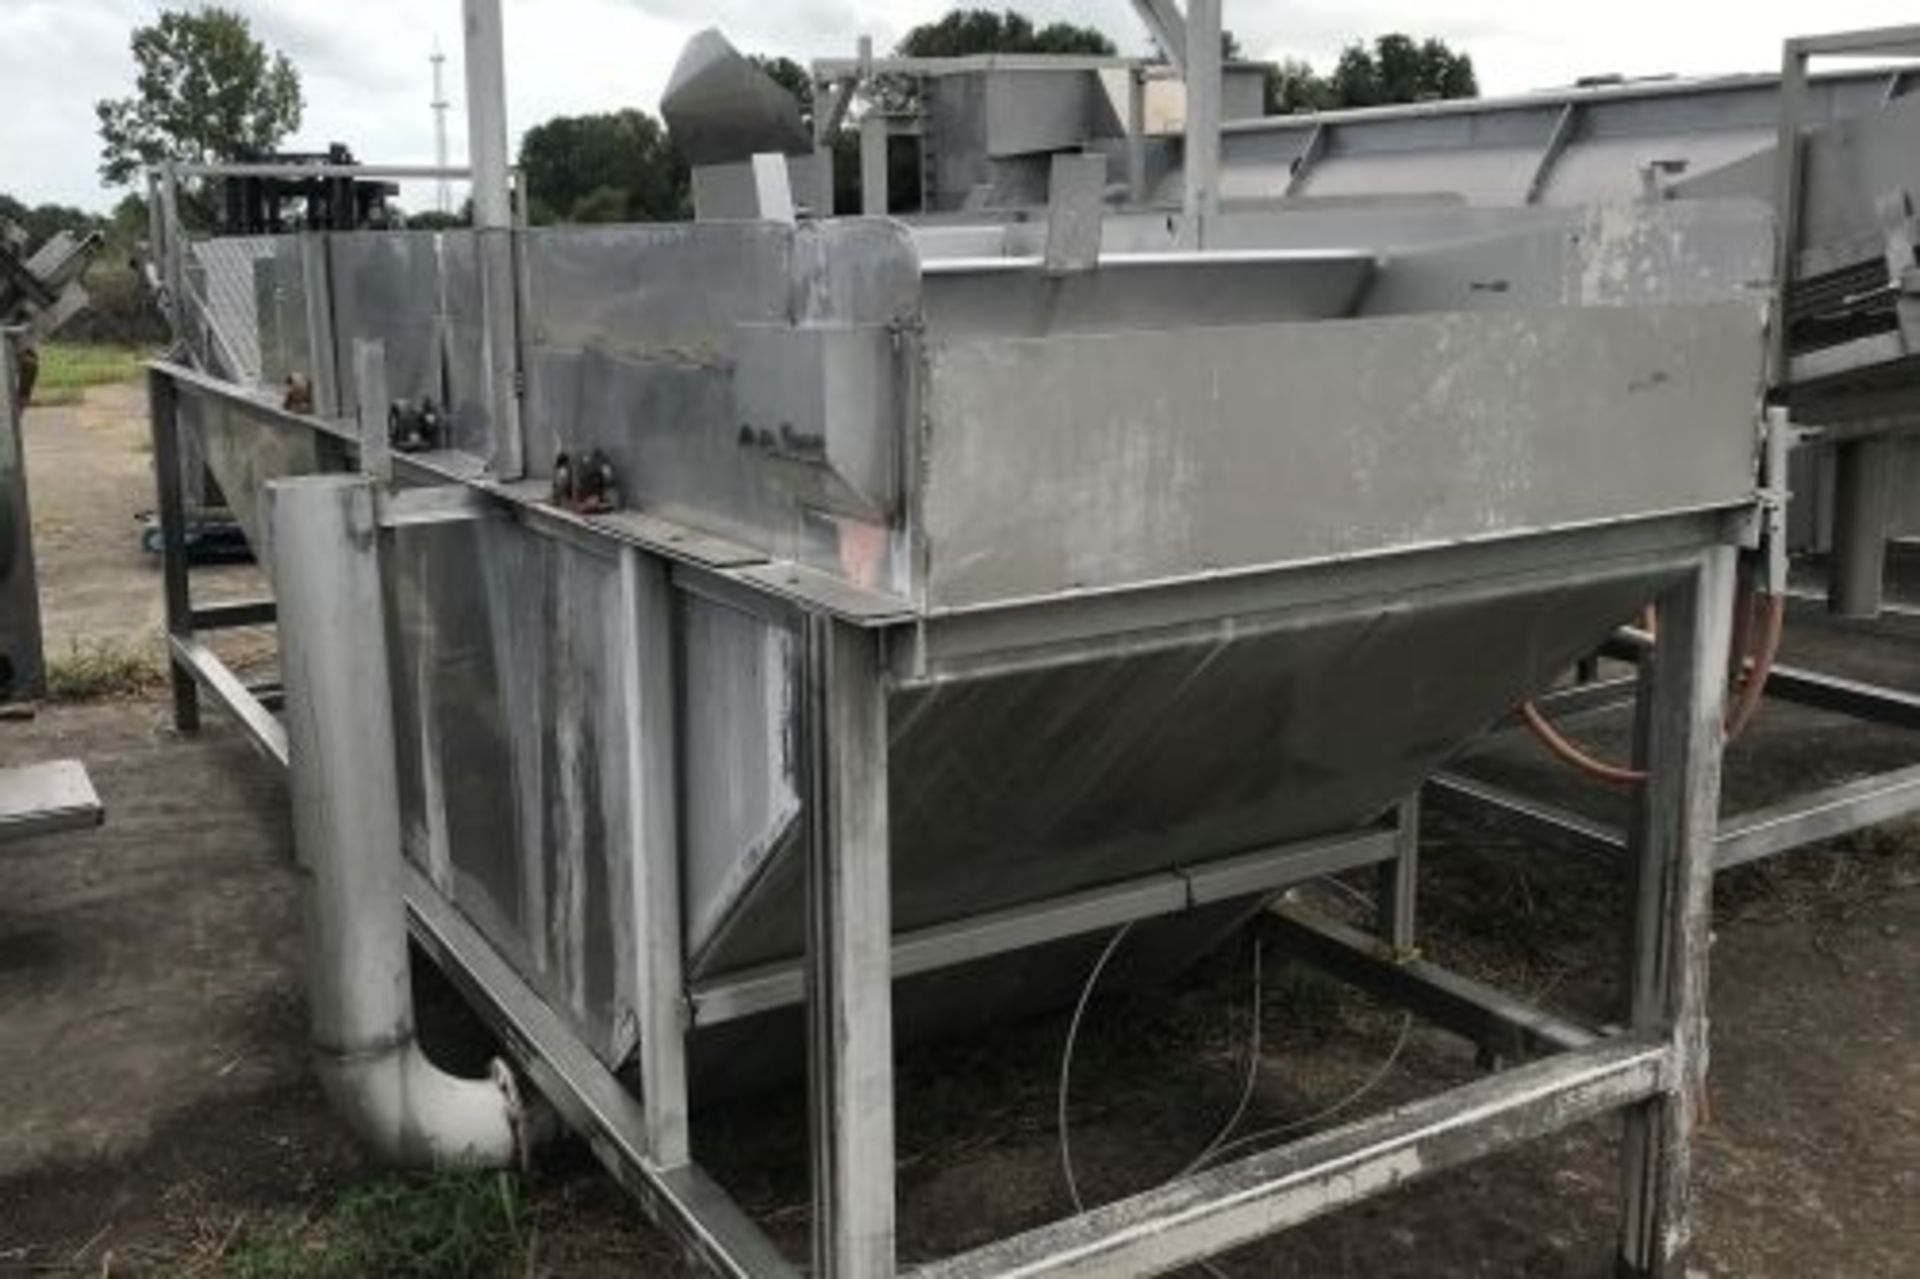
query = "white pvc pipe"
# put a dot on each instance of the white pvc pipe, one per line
(346, 822)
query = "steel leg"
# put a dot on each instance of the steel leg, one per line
(1671, 842)
(660, 1004)
(1400, 880)
(849, 977)
(1862, 495)
(23, 662)
(163, 410)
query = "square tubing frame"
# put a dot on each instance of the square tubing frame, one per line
(193, 668)
(1653, 1074)
(1654, 1071)
(21, 645)
(1792, 823)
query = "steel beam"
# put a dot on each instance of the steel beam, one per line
(1201, 159)
(202, 668)
(593, 1102)
(849, 953)
(1563, 129)
(1207, 1213)
(1521, 815)
(653, 856)
(22, 655)
(874, 196)
(1874, 703)
(493, 233)
(1076, 914)
(1168, 28)
(1671, 846)
(1399, 881)
(1310, 153)
(1826, 814)
(1505, 1027)
(224, 617)
(163, 410)
(1862, 514)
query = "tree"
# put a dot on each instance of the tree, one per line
(1393, 69)
(42, 222)
(969, 31)
(1293, 87)
(206, 90)
(617, 166)
(1396, 69)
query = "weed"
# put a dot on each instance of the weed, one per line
(92, 670)
(447, 1225)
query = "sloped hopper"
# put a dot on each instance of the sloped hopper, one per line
(1023, 787)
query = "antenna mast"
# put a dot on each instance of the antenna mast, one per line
(439, 60)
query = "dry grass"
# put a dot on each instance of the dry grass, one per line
(95, 670)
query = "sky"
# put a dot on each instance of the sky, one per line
(367, 77)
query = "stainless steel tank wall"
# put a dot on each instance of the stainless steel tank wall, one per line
(1607, 367)
(820, 397)
(1565, 147)
(512, 645)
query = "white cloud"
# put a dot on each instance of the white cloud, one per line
(367, 78)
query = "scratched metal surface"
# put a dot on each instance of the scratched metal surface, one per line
(507, 650)
(1610, 371)
(386, 288)
(245, 454)
(636, 337)
(1024, 786)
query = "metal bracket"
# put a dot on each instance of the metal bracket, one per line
(1767, 532)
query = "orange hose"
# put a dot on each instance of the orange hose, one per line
(1569, 753)
(1749, 677)
(1747, 701)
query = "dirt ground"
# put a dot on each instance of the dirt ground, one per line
(155, 1099)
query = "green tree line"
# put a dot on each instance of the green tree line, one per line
(207, 88)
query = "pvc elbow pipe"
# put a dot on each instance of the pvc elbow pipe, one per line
(407, 1112)
(346, 822)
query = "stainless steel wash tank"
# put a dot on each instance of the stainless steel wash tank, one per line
(1181, 559)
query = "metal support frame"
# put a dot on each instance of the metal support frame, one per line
(1793, 822)
(852, 960)
(22, 650)
(1678, 744)
(1862, 514)
(849, 953)
(1399, 880)
(193, 668)
(1671, 845)
(1564, 126)
(1200, 202)
(1310, 153)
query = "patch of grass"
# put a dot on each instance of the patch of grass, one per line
(436, 1226)
(91, 670)
(68, 369)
